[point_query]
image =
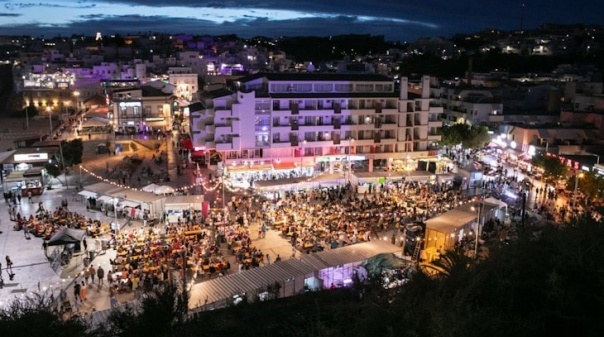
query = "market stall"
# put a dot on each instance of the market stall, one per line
(24, 182)
(182, 206)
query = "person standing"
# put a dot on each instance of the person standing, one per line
(77, 288)
(29, 195)
(83, 292)
(100, 273)
(86, 274)
(9, 265)
(92, 273)
(45, 247)
(112, 298)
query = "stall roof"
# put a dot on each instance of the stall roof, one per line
(128, 203)
(105, 199)
(356, 253)
(88, 194)
(457, 218)
(139, 196)
(251, 280)
(497, 202)
(184, 199)
(102, 188)
(4, 155)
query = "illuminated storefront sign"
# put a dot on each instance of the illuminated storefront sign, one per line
(30, 157)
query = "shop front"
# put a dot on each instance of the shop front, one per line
(24, 170)
(22, 182)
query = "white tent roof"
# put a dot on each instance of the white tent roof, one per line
(103, 188)
(164, 189)
(128, 203)
(150, 188)
(497, 202)
(184, 199)
(88, 194)
(105, 199)
(457, 218)
(251, 280)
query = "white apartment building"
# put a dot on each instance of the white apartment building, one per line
(320, 120)
(143, 109)
(184, 82)
(471, 106)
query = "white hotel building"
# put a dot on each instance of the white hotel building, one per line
(319, 120)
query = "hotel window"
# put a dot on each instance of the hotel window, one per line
(323, 87)
(303, 87)
(160, 109)
(364, 88)
(136, 111)
(343, 87)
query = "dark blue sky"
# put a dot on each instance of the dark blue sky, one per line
(396, 19)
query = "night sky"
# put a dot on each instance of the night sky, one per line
(398, 20)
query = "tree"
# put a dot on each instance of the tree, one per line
(158, 314)
(553, 169)
(475, 137)
(52, 169)
(470, 137)
(591, 185)
(72, 151)
(451, 135)
(34, 316)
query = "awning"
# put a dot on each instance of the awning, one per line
(198, 153)
(284, 166)
(128, 203)
(105, 199)
(88, 194)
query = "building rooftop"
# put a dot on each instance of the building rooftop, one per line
(316, 77)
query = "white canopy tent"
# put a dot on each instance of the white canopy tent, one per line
(128, 203)
(105, 199)
(184, 202)
(88, 194)
(150, 188)
(164, 189)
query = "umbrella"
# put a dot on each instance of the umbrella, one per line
(66, 236)
(164, 189)
(150, 188)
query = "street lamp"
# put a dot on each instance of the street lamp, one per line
(577, 176)
(49, 110)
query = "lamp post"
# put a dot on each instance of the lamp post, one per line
(49, 110)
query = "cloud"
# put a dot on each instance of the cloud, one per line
(397, 20)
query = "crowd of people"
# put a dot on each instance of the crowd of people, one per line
(44, 223)
(333, 217)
